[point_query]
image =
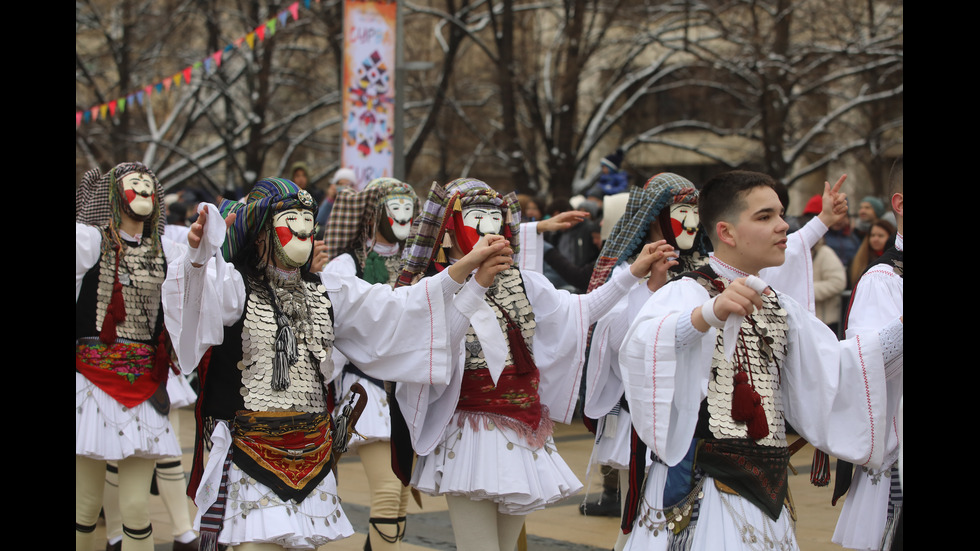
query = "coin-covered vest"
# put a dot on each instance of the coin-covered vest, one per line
(245, 359)
(514, 401)
(124, 369)
(755, 468)
(282, 437)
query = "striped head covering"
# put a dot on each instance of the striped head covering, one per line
(644, 206)
(355, 215)
(99, 201)
(443, 210)
(269, 196)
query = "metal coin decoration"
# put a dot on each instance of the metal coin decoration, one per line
(508, 291)
(761, 349)
(141, 273)
(307, 309)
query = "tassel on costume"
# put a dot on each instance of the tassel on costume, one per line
(518, 350)
(820, 469)
(116, 311)
(743, 398)
(286, 354)
(758, 425)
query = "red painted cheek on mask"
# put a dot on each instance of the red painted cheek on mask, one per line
(284, 235)
(391, 221)
(677, 227)
(469, 238)
(130, 195)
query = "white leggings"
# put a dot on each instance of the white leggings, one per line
(478, 526)
(134, 493)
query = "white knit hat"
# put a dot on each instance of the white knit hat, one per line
(344, 174)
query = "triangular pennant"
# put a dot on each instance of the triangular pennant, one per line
(177, 79)
(271, 25)
(282, 18)
(88, 115)
(294, 9)
(250, 38)
(139, 97)
(121, 103)
(95, 112)
(148, 90)
(167, 82)
(238, 42)
(112, 109)
(159, 87)
(260, 31)
(217, 58)
(306, 4)
(207, 65)
(78, 118)
(187, 75)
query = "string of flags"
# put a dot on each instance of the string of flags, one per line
(209, 65)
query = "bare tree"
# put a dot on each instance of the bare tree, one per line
(268, 104)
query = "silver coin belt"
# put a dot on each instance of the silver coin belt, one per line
(308, 310)
(508, 291)
(141, 273)
(658, 520)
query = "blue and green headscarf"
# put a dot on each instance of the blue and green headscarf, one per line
(269, 196)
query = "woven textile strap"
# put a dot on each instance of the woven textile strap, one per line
(213, 519)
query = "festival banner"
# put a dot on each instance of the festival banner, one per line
(369, 89)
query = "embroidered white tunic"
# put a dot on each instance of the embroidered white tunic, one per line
(498, 464)
(833, 393)
(878, 299)
(401, 334)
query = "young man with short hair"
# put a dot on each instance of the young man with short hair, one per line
(717, 363)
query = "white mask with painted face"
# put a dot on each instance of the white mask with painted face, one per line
(684, 221)
(485, 220)
(400, 210)
(138, 189)
(294, 236)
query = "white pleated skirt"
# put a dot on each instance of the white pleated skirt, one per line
(254, 513)
(107, 430)
(863, 516)
(497, 464)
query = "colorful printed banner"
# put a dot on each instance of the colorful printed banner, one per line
(369, 89)
(208, 65)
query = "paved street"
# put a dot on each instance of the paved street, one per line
(557, 527)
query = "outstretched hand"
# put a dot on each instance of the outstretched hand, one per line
(562, 221)
(196, 233)
(834, 203)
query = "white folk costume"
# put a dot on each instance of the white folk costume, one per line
(874, 499)
(271, 332)
(120, 355)
(604, 398)
(654, 203)
(682, 385)
(487, 435)
(384, 208)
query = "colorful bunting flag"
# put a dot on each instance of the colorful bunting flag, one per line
(209, 64)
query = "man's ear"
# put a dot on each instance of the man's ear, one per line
(725, 232)
(898, 204)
